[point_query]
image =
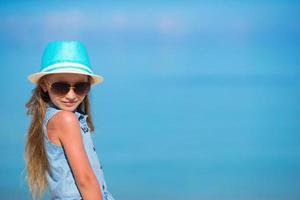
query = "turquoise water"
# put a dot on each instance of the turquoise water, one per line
(169, 141)
(195, 105)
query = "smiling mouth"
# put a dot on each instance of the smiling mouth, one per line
(69, 103)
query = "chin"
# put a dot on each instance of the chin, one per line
(73, 108)
(69, 109)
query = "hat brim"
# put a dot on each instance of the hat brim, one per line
(96, 79)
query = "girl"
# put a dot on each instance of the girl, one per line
(59, 151)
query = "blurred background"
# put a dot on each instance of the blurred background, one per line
(200, 98)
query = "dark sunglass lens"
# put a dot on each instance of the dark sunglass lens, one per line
(82, 88)
(60, 88)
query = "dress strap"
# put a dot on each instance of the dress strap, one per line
(51, 111)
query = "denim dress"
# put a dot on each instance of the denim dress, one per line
(61, 182)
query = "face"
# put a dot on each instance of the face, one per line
(70, 100)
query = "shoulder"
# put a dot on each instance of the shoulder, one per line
(63, 119)
(64, 127)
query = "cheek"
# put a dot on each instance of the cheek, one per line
(53, 97)
(81, 99)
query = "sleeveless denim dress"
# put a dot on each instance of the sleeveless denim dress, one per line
(61, 182)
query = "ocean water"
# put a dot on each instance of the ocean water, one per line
(222, 139)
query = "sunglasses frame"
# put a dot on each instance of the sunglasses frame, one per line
(70, 86)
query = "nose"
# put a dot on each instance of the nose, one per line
(71, 95)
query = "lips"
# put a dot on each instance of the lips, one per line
(69, 104)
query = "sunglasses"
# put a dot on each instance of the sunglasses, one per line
(62, 88)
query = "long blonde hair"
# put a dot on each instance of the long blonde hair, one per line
(35, 155)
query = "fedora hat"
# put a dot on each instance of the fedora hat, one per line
(65, 57)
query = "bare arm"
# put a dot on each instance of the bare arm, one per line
(67, 128)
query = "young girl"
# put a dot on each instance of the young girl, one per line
(59, 151)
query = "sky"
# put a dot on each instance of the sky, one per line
(200, 99)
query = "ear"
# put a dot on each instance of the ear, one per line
(43, 85)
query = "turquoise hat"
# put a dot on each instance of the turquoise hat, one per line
(65, 57)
